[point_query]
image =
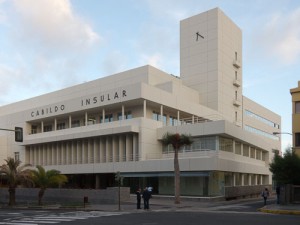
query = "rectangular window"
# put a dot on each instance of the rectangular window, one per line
(34, 129)
(127, 115)
(109, 118)
(156, 116)
(226, 144)
(61, 126)
(75, 123)
(297, 139)
(47, 128)
(297, 107)
(17, 156)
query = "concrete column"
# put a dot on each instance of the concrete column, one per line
(103, 115)
(243, 180)
(123, 112)
(115, 149)
(55, 124)
(129, 152)
(86, 118)
(70, 121)
(122, 149)
(42, 127)
(178, 118)
(161, 113)
(135, 148)
(145, 109)
(193, 119)
(234, 179)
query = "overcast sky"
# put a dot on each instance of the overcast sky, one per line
(46, 45)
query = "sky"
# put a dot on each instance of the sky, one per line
(47, 45)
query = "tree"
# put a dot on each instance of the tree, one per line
(15, 174)
(286, 168)
(45, 179)
(177, 141)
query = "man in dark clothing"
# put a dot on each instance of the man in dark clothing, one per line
(138, 199)
(146, 197)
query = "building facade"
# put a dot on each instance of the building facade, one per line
(295, 92)
(92, 130)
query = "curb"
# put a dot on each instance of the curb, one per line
(280, 211)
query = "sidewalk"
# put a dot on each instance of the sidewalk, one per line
(167, 204)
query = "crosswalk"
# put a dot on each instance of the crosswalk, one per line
(47, 218)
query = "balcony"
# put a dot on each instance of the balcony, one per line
(236, 64)
(237, 83)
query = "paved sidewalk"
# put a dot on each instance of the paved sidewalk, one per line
(167, 204)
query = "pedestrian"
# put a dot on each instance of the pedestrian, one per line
(278, 194)
(138, 198)
(146, 197)
(265, 195)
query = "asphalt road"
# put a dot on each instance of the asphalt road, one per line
(244, 213)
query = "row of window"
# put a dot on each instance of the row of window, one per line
(76, 122)
(262, 119)
(220, 143)
(261, 133)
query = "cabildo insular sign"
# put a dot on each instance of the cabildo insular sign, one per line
(96, 100)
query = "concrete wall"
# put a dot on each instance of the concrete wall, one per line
(244, 191)
(65, 196)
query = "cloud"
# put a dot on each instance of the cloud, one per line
(43, 48)
(280, 37)
(53, 25)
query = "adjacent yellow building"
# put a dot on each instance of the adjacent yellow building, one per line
(295, 92)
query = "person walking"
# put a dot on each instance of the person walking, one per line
(138, 198)
(265, 195)
(146, 197)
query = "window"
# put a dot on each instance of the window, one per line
(236, 75)
(17, 156)
(109, 118)
(156, 116)
(297, 139)
(226, 144)
(61, 126)
(75, 123)
(235, 55)
(127, 115)
(172, 121)
(297, 107)
(47, 128)
(34, 129)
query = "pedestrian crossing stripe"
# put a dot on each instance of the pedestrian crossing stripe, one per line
(58, 218)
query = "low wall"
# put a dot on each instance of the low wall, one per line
(56, 195)
(245, 191)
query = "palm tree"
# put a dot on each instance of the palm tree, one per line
(45, 179)
(15, 174)
(177, 141)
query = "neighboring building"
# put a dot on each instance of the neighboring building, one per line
(295, 92)
(92, 130)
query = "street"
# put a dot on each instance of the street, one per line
(236, 213)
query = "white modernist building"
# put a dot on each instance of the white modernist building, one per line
(92, 130)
